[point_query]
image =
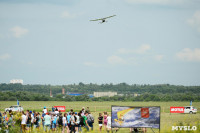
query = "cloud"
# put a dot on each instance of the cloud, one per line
(141, 50)
(5, 57)
(91, 64)
(66, 14)
(19, 31)
(158, 57)
(195, 21)
(160, 2)
(188, 54)
(116, 60)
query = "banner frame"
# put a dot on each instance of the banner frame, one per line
(136, 107)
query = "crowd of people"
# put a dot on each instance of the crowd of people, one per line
(54, 120)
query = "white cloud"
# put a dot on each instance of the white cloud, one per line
(19, 31)
(141, 50)
(189, 55)
(5, 57)
(195, 20)
(66, 14)
(91, 64)
(160, 2)
(116, 60)
(158, 57)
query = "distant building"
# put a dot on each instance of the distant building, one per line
(135, 94)
(51, 94)
(63, 91)
(102, 94)
(16, 81)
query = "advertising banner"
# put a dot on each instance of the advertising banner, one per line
(129, 117)
(176, 109)
(60, 108)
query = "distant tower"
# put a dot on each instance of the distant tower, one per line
(63, 91)
(51, 94)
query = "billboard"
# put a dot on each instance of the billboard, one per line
(176, 109)
(60, 108)
(129, 117)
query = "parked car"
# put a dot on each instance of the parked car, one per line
(190, 109)
(14, 108)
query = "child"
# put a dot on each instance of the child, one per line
(100, 120)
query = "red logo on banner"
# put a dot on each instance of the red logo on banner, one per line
(60, 108)
(145, 112)
(176, 109)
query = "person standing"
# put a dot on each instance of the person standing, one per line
(68, 122)
(73, 122)
(45, 110)
(64, 119)
(108, 123)
(23, 122)
(47, 121)
(105, 120)
(90, 119)
(36, 120)
(85, 121)
(81, 122)
(60, 122)
(53, 109)
(77, 122)
(43, 114)
(0, 117)
(88, 110)
(83, 111)
(28, 122)
(54, 119)
(100, 121)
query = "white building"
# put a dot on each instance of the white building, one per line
(102, 94)
(16, 81)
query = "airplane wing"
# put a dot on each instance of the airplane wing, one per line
(109, 17)
(103, 18)
(97, 19)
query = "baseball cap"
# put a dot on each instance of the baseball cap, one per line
(30, 111)
(75, 113)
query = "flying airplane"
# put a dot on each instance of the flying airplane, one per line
(103, 19)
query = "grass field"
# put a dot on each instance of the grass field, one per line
(167, 120)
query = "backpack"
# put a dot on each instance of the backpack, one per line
(81, 121)
(75, 118)
(92, 118)
(60, 121)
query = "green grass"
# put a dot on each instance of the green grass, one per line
(167, 120)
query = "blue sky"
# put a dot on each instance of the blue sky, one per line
(147, 42)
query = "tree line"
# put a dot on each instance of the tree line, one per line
(30, 96)
(121, 88)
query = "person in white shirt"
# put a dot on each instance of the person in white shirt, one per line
(47, 121)
(32, 120)
(64, 121)
(45, 110)
(23, 122)
(108, 123)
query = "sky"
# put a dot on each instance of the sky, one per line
(54, 42)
